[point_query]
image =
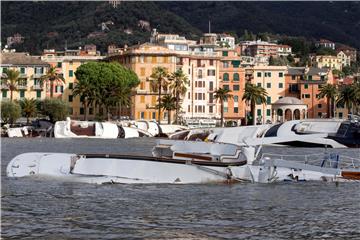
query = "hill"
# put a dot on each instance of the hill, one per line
(56, 24)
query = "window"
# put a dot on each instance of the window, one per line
(22, 70)
(236, 99)
(62, 89)
(236, 110)
(71, 85)
(319, 106)
(141, 59)
(225, 64)
(153, 59)
(310, 78)
(4, 93)
(199, 63)
(59, 64)
(236, 77)
(281, 85)
(71, 62)
(211, 72)
(226, 77)
(267, 74)
(91, 111)
(22, 93)
(340, 115)
(71, 73)
(293, 77)
(211, 86)
(268, 100)
(306, 86)
(153, 115)
(200, 73)
(226, 87)
(281, 74)
(225, 53)
(142, 115)
(70, 98)
(210, 109)
(211, 62)
(188, 108)
(306, 96)
(258, 74)
(259, 84)
(268, 85)
(211, 97)
(236, 87)
(38, 94)
(71, 111)
(226, 109)
(259, 112)
(268, 112)
(82, 111)
(235, 63)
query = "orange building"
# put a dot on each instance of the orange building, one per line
(304, 83)
(232, 77)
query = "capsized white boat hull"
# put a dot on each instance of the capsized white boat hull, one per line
(132, 169)
(115, 170)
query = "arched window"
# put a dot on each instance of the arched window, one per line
(236, 77)
(226, 77)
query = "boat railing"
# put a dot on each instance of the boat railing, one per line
(326, 160)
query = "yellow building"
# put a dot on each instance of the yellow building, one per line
(272, 79)
(327, 61)
(143, 59)
(66, 63)
(31, 69)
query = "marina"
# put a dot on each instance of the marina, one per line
(40, 207)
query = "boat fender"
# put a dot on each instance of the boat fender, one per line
(229, 174)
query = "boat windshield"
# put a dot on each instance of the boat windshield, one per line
(272, 132)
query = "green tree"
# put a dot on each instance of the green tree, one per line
(52, 77)
(10, 111)
(325, 51)
(105, 84)
(178, 83)
(28, 107)
(330, 92)
(159, 79)
(55, 109)
(222, 95)
(12, 81)
(168, 103)
(347, 97)
(254, 95)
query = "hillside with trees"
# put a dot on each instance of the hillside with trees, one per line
(73, 24)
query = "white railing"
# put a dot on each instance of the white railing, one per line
(318, 159)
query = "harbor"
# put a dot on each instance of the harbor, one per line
(40, 207)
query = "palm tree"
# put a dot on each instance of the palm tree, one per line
(159, 79)
(330, 92)
(222, 95)
(168, 103)
(255, 95)
(178, 85)
(53, 77)
(12, 81)
(28, 107)
(86, 92)
(347, 97)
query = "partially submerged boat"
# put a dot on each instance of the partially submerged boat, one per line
(172, 162)
(184, 162)
(86, 129)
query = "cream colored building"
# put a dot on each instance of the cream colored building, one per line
(66, 63)
(31, 69)
(344, 58)
(327, 61)
(272, 79)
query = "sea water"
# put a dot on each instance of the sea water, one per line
(41, 208)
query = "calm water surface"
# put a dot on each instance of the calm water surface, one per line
(38, 208)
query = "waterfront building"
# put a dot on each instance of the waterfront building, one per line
(232, 77)
(272, 79)
(66, 63)
(259, 49)
(142, 59)
(31, 69)
(304, 83)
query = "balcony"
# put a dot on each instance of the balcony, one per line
(22, 87)
(4, 86)
(37, 87)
